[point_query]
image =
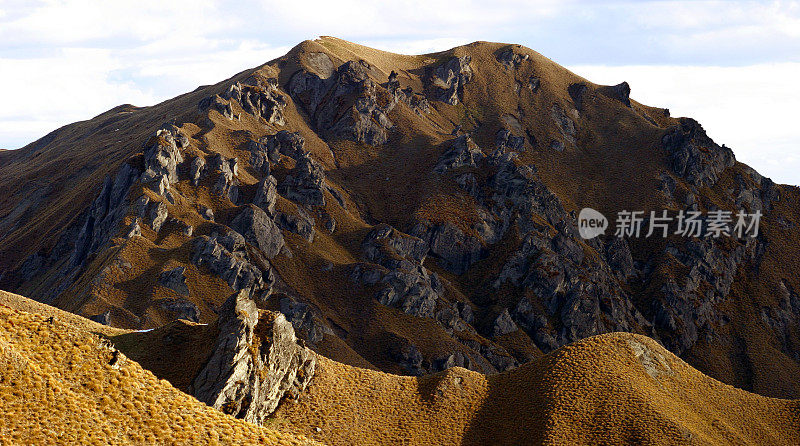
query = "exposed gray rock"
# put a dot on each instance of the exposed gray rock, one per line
(161, 159)
(257, 361)
(693, 155)
(503, 324)
(215, 102)
(175, 279)
(620, 92)
(505, 140)
(266, 195)
(259, 98)
(454, 250)
(347, 105)
(102, 318)
(206, 213)
(565, 125)
(134, 229)
(287, 143)
(511, 59)
(157, 214)
(103, 218)
(577, 92)
(233, 267)
(387, 246)
(301, 224)
(446, 81)
(259, 230)
(463, 152)
(180, 309)
(197, 170)
(533, 83)
(305, 184)
(227, 185)
(416, 101)
(307, 320)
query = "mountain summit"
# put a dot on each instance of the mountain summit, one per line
(409, 214)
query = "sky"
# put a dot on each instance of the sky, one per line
(732, 65)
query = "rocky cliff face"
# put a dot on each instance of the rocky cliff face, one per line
(405, 213)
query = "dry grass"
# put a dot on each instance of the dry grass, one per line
(595, 391)
(61, 385)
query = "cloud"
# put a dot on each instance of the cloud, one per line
(67, 60)
(751, 109)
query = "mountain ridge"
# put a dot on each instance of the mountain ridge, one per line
(476, 159)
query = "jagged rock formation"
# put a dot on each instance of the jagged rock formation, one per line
(255, 363)
(447, 80)
(346, 105)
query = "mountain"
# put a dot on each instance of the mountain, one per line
(407, 214)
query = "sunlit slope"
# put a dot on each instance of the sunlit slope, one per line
(610, 389)
(61, 385)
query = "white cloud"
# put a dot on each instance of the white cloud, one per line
(751, 109)
(66, 60)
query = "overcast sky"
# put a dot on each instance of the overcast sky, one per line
(732, 65)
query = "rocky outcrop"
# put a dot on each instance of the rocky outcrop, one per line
(454, 250)
(104, 216)
(511, 59)
(686, 310)
(620, 92)
(256, 362)
(577, 92)
(230, 263)
(161, 158)
(266, 195)
(175, 279)
(565, 125)
(259, 98)
(305, 184)
(299, 223)
(259, 230)
(179, 309)
(505, 140)
(416, 101)
(462, 152)
(694, 156)
(227, 185)
(197, 170)
(445, 82)
(387, 246)
(347, 105)
(216, 102)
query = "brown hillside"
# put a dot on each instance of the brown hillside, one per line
(60, 384)
(408, 214)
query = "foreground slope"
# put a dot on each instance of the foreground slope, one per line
(61, 384)
(409, 214)
(59, 381)
(615, 388)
